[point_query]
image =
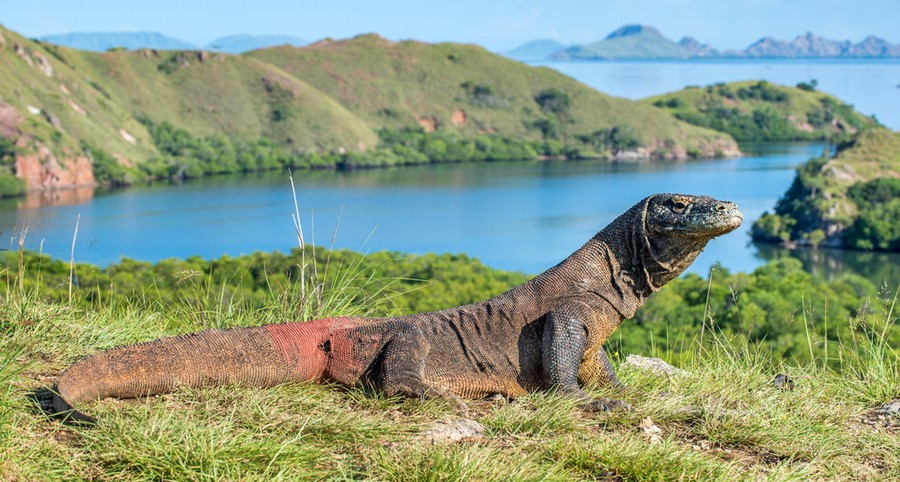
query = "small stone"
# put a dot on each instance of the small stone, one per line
(783, 382)
(53, 119)
(889, 408)
(453, 431)
(651, 431)
(654, 365)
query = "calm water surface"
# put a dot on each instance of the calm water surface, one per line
(517, 215)
(873, 86)
(523, 216)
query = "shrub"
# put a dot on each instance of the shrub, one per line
(808, 86)
(11, 185)
(553, 100)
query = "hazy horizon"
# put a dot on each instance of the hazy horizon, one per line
(501, 25)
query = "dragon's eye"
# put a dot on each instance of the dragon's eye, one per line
(679, 206)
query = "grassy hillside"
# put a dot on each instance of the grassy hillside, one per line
(850, 200)
(70, 117)
(724, 420)
(71, 113)
(466, 89)
(48, 108)
(210, 93)
(761, 111)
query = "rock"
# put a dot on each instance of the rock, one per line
(122, 160)
(654, 365)
(127, 136)
(651, 431)
(34, 110)
(40, 168)
(2, 40)
(453, 431)
(20, 51)
(9, 121)
(430, 124)
(77, 108)
(889, 408)
(783, 382)
(53, 119)
(459, 118)
(44, 65)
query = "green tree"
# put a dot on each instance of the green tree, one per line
(553, 100)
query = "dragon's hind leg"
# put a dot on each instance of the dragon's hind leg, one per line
(401, 370)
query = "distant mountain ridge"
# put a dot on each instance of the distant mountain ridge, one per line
(103, 41)
(629, 41)
(646, 42)
(812, 46)
(535, 50)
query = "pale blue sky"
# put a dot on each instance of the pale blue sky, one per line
(498, 25)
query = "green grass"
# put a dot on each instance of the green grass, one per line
(724, 421)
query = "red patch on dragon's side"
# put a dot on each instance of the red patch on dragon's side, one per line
(327, 348)
(304, 346)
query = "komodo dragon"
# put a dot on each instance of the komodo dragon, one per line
(544, 334)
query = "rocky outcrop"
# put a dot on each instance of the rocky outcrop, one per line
(9, 121)
(429, 124)
(43, 64)
(42, 170)
(459, 118)
(23, 54)
(669, 150)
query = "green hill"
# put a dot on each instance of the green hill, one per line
(57, 101)
(628, 42)
(468, 90)
(761, 111)
(210, 93)
(851, 200)
(70, 117)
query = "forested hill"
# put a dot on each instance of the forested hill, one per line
(70, 117)
(850, 200)
(763, 111)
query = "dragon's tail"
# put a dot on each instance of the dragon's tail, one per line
(258, 356)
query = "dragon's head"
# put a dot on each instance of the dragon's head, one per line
(690, 217)
(675, 230)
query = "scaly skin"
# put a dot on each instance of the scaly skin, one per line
(547, 333)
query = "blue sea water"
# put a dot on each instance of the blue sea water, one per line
(523, 216)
